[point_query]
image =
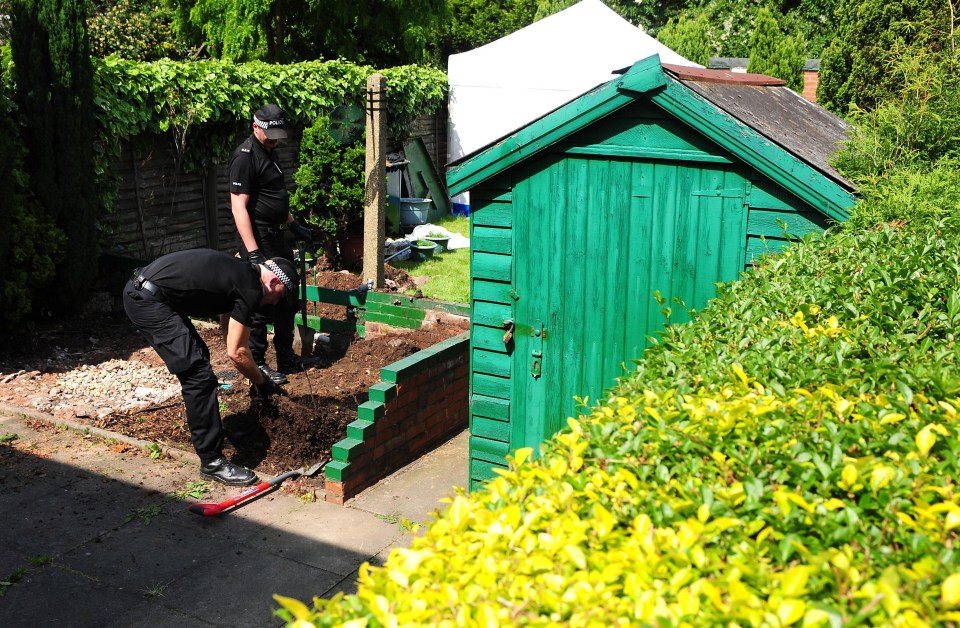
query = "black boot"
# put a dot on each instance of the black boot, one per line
(278, 378)
(223, 471)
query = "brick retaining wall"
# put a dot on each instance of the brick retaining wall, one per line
(421, 402)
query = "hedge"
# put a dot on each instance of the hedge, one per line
(789, 457)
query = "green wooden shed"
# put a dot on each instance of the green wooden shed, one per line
(666, 179)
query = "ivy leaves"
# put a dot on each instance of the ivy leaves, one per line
(210, 101)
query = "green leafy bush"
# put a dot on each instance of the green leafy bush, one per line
(786, 458)
(330, 183)
(134, 30)
(206, 103)
(30, 244)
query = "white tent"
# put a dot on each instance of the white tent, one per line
(500, 87)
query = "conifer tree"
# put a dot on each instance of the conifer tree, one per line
(53, 75)
(774, 54)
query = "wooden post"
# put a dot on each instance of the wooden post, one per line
(374, 211)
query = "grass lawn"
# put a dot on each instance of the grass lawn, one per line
(449, 271)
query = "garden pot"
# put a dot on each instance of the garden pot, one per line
(415, 211)
(440, 241)
(421, 253)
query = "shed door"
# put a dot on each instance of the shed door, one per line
(594, 238)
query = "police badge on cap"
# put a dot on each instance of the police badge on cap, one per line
(270, 118)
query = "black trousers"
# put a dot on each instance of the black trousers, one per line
(280, 315)
(183, 351)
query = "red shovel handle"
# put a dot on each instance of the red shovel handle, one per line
(212, 510)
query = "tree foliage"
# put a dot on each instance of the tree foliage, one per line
(134, 29)
(330, 182)
(474, 23)
(649, 15)
(30, 242)
(775, 54)
(859, 66)
(688, 37)
(54, 94)
(386, 33)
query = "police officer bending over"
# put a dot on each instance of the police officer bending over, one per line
(161, 298)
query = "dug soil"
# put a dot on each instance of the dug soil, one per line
(98, 370)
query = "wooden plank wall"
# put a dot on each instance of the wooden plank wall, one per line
(160, 208)
(491, 250)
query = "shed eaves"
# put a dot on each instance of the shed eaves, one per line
(775, 111)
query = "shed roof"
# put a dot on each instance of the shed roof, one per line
(765, 104)
(754, 117)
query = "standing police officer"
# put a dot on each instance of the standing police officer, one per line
(261, 211)
(160, 298)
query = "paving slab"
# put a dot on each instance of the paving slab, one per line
(104, 536)
(415, 492)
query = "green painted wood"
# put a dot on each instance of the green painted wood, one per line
(645, 75)
(594, 239)
(499, 364)
(767, 223)
(486, 449)
(491, 314)
(490, 407)
(423, 175)
(482, 471)
(403, 322)
(754, 149)
(759, 247)
(488, 338)
(673, 97)
(488, 290)
(332, 296)
(326, 324)
(376, 301)
(491, 240)
(490, 429)
(490, 385)
(643, 152)
(414, 314)
(491, 266)
(490, 214)
(554, 126)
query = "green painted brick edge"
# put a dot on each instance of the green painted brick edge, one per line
(337, 471)
(371, 410)
(420, 361)
(383, 392)
(347, 449)
(361, 429)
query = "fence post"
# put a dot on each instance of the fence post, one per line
(374, 211)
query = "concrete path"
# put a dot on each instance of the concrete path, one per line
(94, 534)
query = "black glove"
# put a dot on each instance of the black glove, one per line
(266, 389)
(300, 231)
(256, 257)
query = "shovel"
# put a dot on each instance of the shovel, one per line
(304, 331)
(215, 510)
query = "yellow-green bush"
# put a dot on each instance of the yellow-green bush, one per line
(788, 458)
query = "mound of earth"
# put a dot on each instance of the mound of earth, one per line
(98, 370)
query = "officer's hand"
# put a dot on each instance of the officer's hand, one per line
(300, 231)
(266, 389)
(257, 257)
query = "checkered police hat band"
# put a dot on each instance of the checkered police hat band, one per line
(266, 124)
(281, 275)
